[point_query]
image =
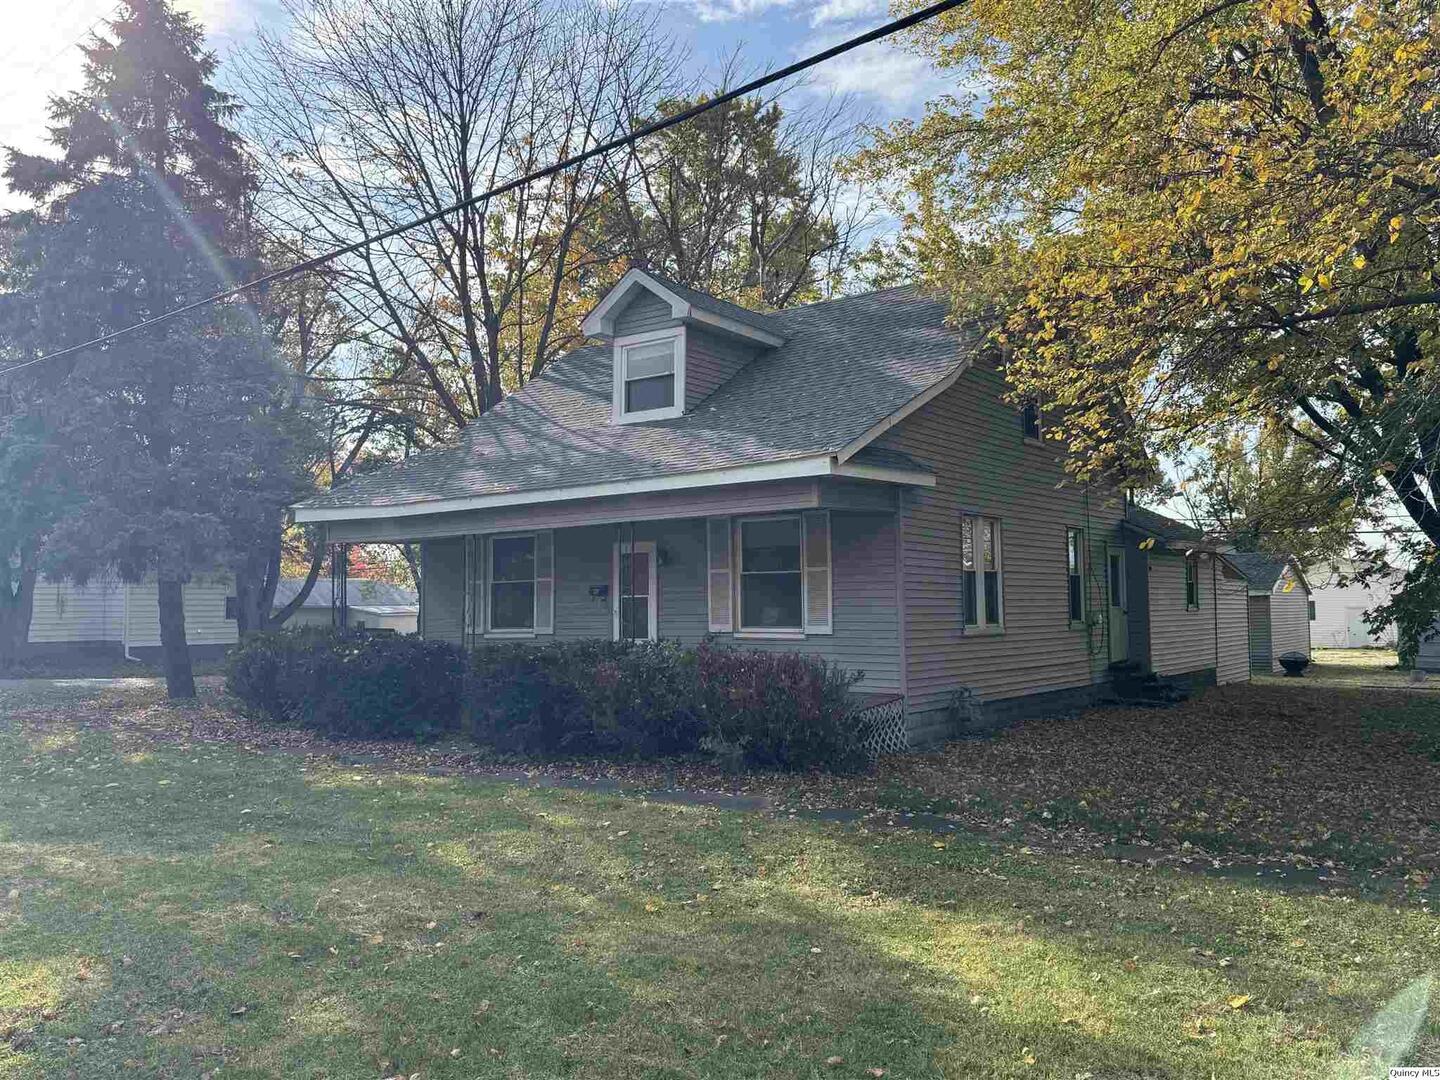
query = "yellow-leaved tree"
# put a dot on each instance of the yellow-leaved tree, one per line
(1183, 215)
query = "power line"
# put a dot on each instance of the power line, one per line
(884, 31)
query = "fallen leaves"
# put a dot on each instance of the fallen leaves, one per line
(1238, 1001)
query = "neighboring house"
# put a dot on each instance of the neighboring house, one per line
(1279, 608)
(1189, 612)
(109, 614)
(374, 605)
(843, 479)
(1337, 611)
(1428, 656)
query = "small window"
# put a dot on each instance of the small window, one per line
(647, 383)
(232, 608)
(1192, 583)
(980, 572)
(1311, 605)
(772, 588)
(1075, 573)
(512, 583)
(1030, 419)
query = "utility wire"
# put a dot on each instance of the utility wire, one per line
(884, 31)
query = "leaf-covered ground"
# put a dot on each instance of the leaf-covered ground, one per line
(180, 905)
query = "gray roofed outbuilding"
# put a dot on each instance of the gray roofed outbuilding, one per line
(1262, 571)
(361, 594)
(846, 365)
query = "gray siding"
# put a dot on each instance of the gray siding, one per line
(1232, 598)
(972, 439)
(1289, 622)
(1181, 639)
(643, 313)
(710, 361)
(442, 589)
(1137, 591)
(1262, 658)
(867, 626)
(1428, 658)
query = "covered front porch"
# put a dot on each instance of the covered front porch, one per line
(806, 565)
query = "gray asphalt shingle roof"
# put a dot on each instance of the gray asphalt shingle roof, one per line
(846, 365)
(1262, 571)
(1167, 528)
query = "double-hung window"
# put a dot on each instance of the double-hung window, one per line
(772, 582)
(1075, 573)
(514, 590)
(1192, 583)
(649, 376)
(1030, 419)
(980, 573)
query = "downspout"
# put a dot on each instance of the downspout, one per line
(125, 626)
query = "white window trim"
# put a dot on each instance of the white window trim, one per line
(1081, 559)
(977, 521)
(489, 601)
(771, 633)
(652, 600)
(1191, 560)
(630, 341)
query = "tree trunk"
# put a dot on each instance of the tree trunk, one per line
(317, 562)
(17, 602)
(179, 676)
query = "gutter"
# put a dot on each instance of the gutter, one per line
(125, 627)
(814, 466)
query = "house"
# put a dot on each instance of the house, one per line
(843, 479)
(1188, 612)
(373, 605)
(1338, 604)
(1279, 608)
(1427, 657)
(107, 614)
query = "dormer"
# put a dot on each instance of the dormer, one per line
(673, 346)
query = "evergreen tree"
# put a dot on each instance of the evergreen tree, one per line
(178, 446)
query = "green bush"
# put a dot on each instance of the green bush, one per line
(630, 699)
(350, 683)
(589, 698)
(778, 710)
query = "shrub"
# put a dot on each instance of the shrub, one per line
(634, 699)
(350, 683)
(777, 710)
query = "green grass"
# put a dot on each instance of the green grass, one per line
(1362, 668)
(170, 907)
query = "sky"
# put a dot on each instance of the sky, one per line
(39, 58)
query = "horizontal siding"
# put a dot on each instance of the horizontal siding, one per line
(1428, 658)
(205, 622)
(1233, 599)
(442, 589)
(1262, 658)
(62, 611)
(867, 625)
(1181, 639)
(718, 501)
(711, 361)
(972, 440)
(644, 312)
(1289, 622)
(1334, 607)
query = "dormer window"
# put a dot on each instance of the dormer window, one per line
(650, 375)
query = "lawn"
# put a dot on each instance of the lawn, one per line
(1362, 668)
(178, 905)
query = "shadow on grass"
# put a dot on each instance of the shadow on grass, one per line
(230, 907)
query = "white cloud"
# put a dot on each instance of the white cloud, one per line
(831, 11)
(729, 10)
(881, 72)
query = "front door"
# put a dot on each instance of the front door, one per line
(1119, 620)
(633, 587)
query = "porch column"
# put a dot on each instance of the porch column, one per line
(339, 586)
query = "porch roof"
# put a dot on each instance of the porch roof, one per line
(804, 408)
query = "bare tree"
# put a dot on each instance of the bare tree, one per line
(369, 113)
(746, 201)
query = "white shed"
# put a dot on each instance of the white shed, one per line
(1279, 608)
(1339, 604)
